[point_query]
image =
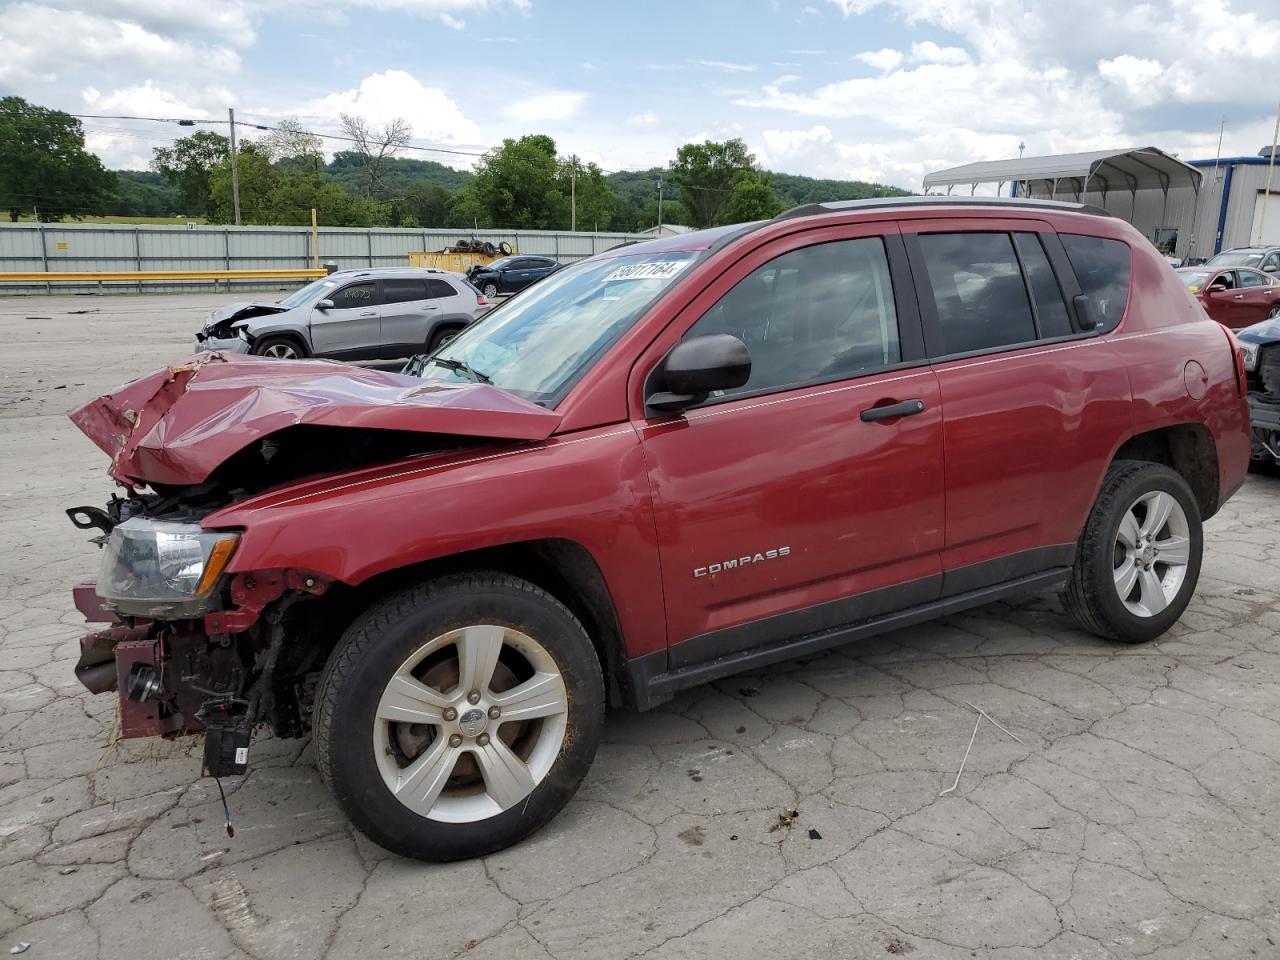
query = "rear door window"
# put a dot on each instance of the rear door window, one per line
(402, 291)
(1102, 269)
(1046, 293)
(978, 291)
(1250, 279)
(438, 289)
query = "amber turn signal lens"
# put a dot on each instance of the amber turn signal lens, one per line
(218, 558)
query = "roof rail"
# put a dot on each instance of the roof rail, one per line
(876, 203)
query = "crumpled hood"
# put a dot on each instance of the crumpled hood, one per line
(175, 426)
(240, 311)
(1268, 331)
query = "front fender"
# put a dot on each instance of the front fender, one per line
(258, 327)
(590, 488)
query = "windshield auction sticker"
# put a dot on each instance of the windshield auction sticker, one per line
(655, 270)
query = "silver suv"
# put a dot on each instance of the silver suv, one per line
(379, 314)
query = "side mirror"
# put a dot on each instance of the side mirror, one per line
(1086, 319)
(1217, 288)
(696, 368)
(324, 305)
(1269, 268)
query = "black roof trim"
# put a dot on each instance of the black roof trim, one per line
(879, 203)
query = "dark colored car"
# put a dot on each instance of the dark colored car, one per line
(679, 460)
(511, 274)
(1235, 297)
(1261, 347)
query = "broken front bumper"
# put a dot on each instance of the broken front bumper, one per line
(121, 658)
(221, 344)
(1264, 418)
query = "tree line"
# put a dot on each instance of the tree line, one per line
(524, 184)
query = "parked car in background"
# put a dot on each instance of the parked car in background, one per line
(1261, 346)
(1266, 259)
(672, 462)
(1236, 298)
(379, 314)
(511, 274)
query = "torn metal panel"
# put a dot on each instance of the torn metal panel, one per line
(175, 426)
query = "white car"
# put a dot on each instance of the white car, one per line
(379, 314)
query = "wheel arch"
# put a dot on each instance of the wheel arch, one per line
(1188, 448)
(563, 568)
(282, 333)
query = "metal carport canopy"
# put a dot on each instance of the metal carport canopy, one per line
(1138, 168)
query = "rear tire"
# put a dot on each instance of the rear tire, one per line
(431, 764)
(279, 348)
(1138, 559)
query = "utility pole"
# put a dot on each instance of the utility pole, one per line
(659, 206)
(1271, 169)
(235, 171)
(573, 194)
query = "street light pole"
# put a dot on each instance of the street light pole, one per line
(659, 206)
(235, 172)
(573, 194)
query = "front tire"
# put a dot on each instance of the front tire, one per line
(459, 716)
(279, 348)
(490, 289)
(1138, 559)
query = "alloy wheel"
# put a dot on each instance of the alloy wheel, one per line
(1151, 553)
(281, 351)
(470, 724)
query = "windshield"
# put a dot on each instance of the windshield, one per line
(1195, 280)
(1239, 258)
(538, 345)
(308, 293)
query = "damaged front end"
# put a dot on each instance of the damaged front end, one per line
(197, 636)
(1262, 361)
(190, 648)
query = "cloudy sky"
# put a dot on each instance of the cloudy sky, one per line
(871, 89)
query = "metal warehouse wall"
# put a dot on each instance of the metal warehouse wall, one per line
(1195, 217)
(116, 247)
(1248, 181)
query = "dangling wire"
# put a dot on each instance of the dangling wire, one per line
(226, 811)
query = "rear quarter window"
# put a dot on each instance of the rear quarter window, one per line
(1102, 268)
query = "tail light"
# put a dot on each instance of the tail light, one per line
(481, 300)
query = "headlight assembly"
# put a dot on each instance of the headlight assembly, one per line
(158, 568)
(1250, 351)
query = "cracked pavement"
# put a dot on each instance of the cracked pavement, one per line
(1139, 817)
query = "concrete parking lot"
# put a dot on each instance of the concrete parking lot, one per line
(794, 813)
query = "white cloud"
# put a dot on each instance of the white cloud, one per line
(646, 119)
(43, 39)
(547, 107)
(929, 52)
(884, 60)
(149, 100)
(381, 97)
(727, 66)
(452, 22)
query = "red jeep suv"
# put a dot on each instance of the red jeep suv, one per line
(670, 462)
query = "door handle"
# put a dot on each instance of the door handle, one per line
(1238, 296)
(368, 313)
(907, 408)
